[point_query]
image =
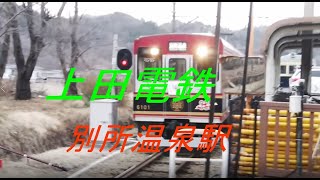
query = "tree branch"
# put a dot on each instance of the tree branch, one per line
(17, 50)
(4, 52)
(36, 40)
(13, 17)
(87, 33)
(85, 63)
(80, 54)
(88, 48)
(5, 32)
(59, 40)
(61, 9)
(29, 18)
(43, 25)
(81, 17)
(11, 30)
(74, 42)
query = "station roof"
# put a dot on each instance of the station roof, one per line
(286, 23)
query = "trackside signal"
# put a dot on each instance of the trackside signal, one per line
(124, 59)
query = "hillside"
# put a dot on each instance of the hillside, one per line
(96, 33)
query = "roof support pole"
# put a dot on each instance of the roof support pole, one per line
(213, 89)
(243, 93)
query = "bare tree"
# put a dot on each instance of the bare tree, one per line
(4, 52)
(74, 48)
(59, 39)
(5, 45)
(75, 54)
(13, 17)
(4, 48)
(25, 69)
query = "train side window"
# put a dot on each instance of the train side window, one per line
(291, 69)
(315, 73)
(179, 65)
(283, 69)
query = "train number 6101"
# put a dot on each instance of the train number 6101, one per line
(143, 107)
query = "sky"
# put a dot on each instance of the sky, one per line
(234, 15)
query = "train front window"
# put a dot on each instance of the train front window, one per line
(204, 64)
(179, 65)
(148, 59)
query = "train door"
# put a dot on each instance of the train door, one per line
(181, 64)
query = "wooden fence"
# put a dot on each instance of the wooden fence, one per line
(277, 140)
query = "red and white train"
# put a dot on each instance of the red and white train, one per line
(181, 52)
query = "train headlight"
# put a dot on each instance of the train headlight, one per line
(202, 51)
(154, 51)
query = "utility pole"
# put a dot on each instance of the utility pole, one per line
(114, 59)
(213, 89)
(251, 44)
(243, 91)
(306, 49)
(308, 9)
(306, 63)
(114, 51)
(174, 18)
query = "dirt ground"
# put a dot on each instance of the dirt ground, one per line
(44, 129)
(113, 166)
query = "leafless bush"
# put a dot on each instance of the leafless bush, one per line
(7, 87)
(87, 88)
(28, 140)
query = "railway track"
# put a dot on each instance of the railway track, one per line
(154, 164)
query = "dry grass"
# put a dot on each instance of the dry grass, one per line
(36, 125)
(87, 87)
(7, 87)
(28, 140)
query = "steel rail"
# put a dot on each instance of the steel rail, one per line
(132, 170)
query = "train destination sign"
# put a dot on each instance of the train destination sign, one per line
(177, 46)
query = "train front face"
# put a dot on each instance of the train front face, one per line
(157, 102)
